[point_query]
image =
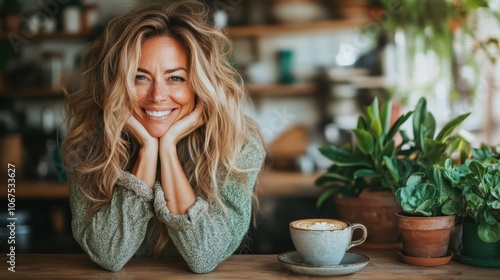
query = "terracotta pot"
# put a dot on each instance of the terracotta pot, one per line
(375, 210)
(425, 237)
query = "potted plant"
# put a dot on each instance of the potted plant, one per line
(357, 177)
(364, 177)
(479, 183)
(429, 204)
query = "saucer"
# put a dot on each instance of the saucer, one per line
(426, 261)
(351, 263)
(476, 261)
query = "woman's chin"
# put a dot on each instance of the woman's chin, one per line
(157, 133)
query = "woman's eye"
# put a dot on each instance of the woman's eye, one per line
(140, 78)
(177, 79)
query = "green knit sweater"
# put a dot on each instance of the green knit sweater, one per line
(203, 236)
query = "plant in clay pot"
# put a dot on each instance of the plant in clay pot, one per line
(429, 204)
(479, 183)
(357, 178)
(368, 173)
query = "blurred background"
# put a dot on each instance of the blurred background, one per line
(311, 66)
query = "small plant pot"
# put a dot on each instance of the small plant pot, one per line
(475, 251)
(425, 237)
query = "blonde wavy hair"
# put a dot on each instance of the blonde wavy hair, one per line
(96, 146)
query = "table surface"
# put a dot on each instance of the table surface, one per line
(384, 264)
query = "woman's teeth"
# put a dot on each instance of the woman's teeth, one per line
(158, 113)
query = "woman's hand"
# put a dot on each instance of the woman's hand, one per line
(147, 160)
(183, 127)
(141, 135)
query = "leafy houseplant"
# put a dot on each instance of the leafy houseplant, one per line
(429, 195)
(362, 166)
(429, 204)
(357, 176)
(376, 163)
(479, 183)
(480, 188)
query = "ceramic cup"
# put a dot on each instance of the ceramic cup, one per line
(324, 241)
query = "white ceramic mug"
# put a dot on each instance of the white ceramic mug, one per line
(324, 241)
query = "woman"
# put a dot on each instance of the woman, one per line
(160, 158)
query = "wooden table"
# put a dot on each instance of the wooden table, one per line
(384, 264)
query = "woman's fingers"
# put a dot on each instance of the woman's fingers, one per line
(186, 125)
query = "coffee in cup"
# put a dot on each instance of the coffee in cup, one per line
(324, 241)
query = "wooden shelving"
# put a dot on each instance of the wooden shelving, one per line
(266, 30)
(281, 89)
(32, 93)
(279, 183)
(47, 36)
(42, 190)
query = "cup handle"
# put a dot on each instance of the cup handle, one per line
(360, 241)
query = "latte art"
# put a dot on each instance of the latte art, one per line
(324, 225)
(319, 225)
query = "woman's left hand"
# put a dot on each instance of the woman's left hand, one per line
(184, 126)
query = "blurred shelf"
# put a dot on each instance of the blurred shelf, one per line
(369, 82)
(45, 36)
(39, 190)
(295, 184)
(32, 93)
(265, 30)
(281, 89)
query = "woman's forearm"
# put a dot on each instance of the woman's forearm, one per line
(179, 193)
(145, 166)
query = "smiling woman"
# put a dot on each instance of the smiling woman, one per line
(161, 159)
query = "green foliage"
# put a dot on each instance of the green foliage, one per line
(428, 194)
(429, 148)
(479, 182)
(376, 163)
(362, 166)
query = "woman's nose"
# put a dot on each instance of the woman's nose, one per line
(159, 92)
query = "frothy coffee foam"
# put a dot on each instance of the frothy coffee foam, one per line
(316, 224)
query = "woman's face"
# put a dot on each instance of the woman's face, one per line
(162, 82)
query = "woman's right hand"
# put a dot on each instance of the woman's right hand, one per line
(145, 166)
(141, 135)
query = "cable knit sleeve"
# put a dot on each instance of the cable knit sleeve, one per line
(115, 232)
(205, 236)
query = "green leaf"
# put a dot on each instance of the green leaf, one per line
(385, 116)
(450, 207)
(331, 177)
(430, 126)
(388, 149)
(428, 191)
(395, 127)
(370, 173)
(415, 179)
(374, 118)
(425, 208)
(489, 233)
(418, 119)
(342, 157)
(362, 123)
(365, 141)
(477, 169)
(449, 127)
(391, 167)
(324, 196)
